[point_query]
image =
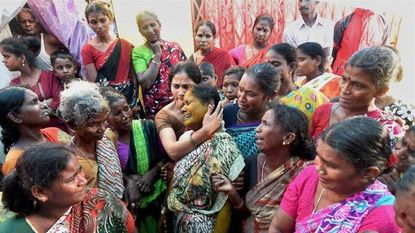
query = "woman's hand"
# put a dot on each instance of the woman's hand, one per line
(238, 184)
(212, 121)
(155, 47)
(221, 183)
(166, 172)
(134, 195)
(145, 185)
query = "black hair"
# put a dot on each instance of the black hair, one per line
(238, 71)
(207, 23)
(62, 54)
(380, 63)
(111, 95)
(266, 76)
(266, 18)
(286, 50)
(27, 46)
(11, 100)
(98, 7)
(208, 69)
(407, 182)
(360, 140)
(292, 120)
(206, 94)
(314, 50)
(39, 165)
(188, 67)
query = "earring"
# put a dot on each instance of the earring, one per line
(23, 64)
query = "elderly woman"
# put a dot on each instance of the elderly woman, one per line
(22, 119)
(153, 62)
(285, 146)
(107, 59)
(85, 111)
(340, 193)
(205, 34)
(192, 199)
(248, 55)
(367, 75)
(48, 192)
(258, 85)
(311, 62)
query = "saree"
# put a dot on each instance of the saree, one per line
(158, 94)
(239, 56)
(97, 213)
(114, 68)
(192, 199)
(327, 83)
(145, 154)
(264, 198)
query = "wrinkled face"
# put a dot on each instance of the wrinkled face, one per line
(194, 111)
(405, 150)
(261, 32)
(306, 65)
(11, 61)
(230, 86)
(32, 112)
(120, 116)
(29, 24)
(64, 69)
(99, 23)
(204, 38)
(70, 187)
(404, 211)
(307, 7)
(150, 28)
(357, 89)
(251, 98)
(269, 133)
(279, 62)
(180, 84)
(93, 128)
(336, 174)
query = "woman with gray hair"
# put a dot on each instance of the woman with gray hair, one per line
(153, 62)
(85, 111)
(366, 76)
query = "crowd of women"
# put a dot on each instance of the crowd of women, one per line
(257, 139)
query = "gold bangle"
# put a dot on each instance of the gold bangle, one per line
(194, 143)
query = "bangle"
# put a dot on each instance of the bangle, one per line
(239, 206)
(194, 143)
(156, 62)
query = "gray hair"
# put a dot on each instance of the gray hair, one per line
(80, 102)
(380, 63)
(143, 14)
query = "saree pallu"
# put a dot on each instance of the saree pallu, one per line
(239, 56)
(263, 199)
(327, 83)
(192, 199)
(245, 138)
(348, 215)
(145, 153)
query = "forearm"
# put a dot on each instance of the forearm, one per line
(147, 78)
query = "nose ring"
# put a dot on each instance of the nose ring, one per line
(321, 172)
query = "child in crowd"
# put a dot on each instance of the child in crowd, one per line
(208, 73)
(405, 201)
(231, 80)
(64, 67)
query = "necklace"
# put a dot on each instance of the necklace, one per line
(318, 200)
(239, 118)
(82, 154)
(262, 170)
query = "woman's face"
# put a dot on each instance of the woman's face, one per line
(193, 111)
(405, 150)
(305, 64)
(99, 23)
(11, 61)
(204, 38)
(269, 133)
(70, 186)
(279, 62)
(33, 113)
(230, 86)
(357, 89)
(179, 86)
(120, 116)
(64, 69)
(150, 28)
(336, 174)
(251, 98)
(94, 128)
(261, 32)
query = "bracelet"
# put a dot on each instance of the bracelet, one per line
(156, 62)
(194, 143)
(239, 206)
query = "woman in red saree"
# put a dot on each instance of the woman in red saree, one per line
(248, 55)
(107, 59)
(219, 58)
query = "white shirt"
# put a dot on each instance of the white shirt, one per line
(298, 32)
